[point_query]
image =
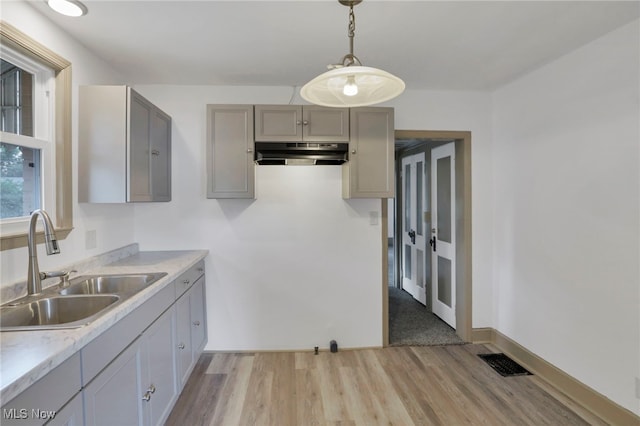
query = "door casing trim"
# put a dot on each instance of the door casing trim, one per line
(464, 313)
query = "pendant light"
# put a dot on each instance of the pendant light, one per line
(349, 83)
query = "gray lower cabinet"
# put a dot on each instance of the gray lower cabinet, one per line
(370, 171)
(184, 353)
(190, 330)
(159, 377)
(132, 373)
(55, 398)
(138, 387)
(198, 321)
(114, 396)
(70, 415)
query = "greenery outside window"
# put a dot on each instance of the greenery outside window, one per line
(35, 130)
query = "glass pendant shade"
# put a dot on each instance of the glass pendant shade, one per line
(364, 86)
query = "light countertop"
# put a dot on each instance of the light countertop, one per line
(26, 356)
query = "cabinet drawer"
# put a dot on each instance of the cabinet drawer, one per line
(188, 278)
(48, 394)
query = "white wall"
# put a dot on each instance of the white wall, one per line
(566, 213)
(113, 223)
(298, 266)
(295, 268)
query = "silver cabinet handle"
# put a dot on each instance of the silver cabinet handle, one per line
(298, 122)
(181, 346)
(353, 151)
(152, 388)
(196, 323)
(155, 152)
(186, 282)
(146, 396)
(305, 123)
(249, 150)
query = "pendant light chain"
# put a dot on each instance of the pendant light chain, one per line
(352, 30)
(351, 59)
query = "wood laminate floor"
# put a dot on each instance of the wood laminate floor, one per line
(427, 385)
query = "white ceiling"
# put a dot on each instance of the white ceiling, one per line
(448, 45)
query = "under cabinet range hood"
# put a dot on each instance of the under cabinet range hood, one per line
(301, 153)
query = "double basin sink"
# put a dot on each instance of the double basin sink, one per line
(83, 300)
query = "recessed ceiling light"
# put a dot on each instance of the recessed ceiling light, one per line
(68, 7)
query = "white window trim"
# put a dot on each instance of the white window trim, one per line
(43, 138)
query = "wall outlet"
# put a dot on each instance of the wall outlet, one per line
(373, 218)
(90, 240)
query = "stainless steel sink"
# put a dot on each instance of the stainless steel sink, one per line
(82, 301)
(55, 312)
(111, 284)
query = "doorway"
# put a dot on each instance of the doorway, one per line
(414, 148)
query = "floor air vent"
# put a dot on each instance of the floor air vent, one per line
(504, 365)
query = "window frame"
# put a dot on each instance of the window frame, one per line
(42, 137)
(63, 211)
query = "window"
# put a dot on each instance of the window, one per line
(35, 136)
(27, 162)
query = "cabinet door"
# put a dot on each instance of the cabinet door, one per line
(160, 156)
(102, 144)
(139, 159)
(278, 123)
(159, 378)
(230, 166)
(370, 171)
(295, 123)
(70, 415)
(114, 397)
(322, 124)
(183, 351)
(198, 317)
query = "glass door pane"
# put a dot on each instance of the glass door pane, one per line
(444, 199)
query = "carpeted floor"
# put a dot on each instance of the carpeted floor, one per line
(412, 324)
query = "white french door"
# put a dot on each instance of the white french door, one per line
(413, 231)
(443, 233)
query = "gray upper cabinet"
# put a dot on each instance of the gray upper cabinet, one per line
(230, 166)
(369, 131)
(370, 171)
(297, 123)
(124, 147)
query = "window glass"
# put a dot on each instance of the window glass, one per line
(19, 180)
(16, 97)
